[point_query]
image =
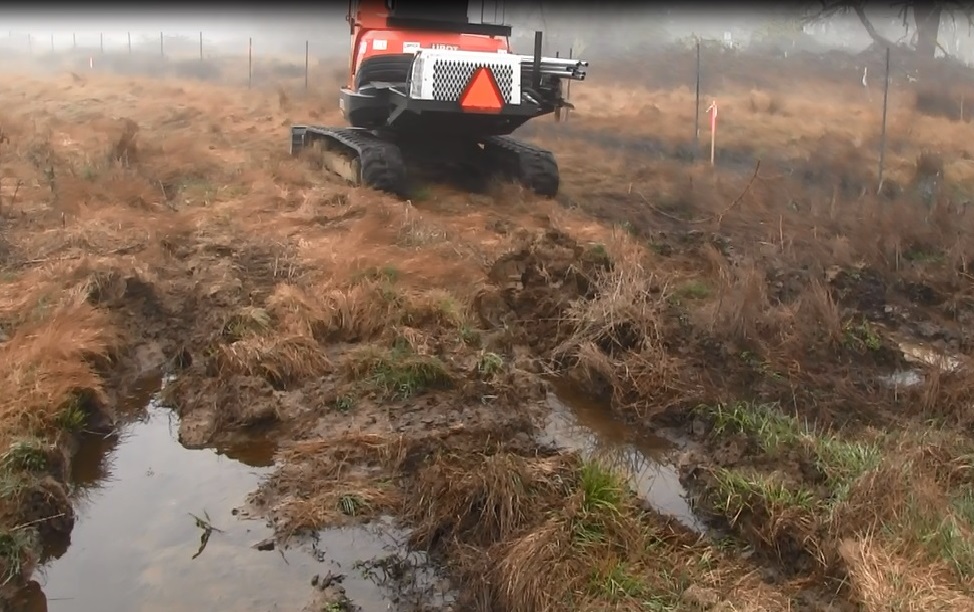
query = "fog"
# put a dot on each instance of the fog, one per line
(604, 31)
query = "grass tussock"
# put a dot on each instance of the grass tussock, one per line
(256, 348)
(281, 360)
(352, 313)
(500, 515)
(50, 374)
(617, 337)
(883, 580)
(486, 505)
(397, 373)
(343, 479)
(842, 504)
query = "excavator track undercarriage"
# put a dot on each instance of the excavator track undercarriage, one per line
(369, 158)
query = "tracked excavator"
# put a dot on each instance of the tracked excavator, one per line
(429, 86)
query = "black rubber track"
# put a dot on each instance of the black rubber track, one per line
(533, 167)
(380, 162)
(382, 167)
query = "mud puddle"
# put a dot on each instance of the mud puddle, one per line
(138, 494)
(578, 423)
(922, 355)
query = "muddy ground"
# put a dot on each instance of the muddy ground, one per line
(789, 329)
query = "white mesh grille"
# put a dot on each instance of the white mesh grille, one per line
(451, 76)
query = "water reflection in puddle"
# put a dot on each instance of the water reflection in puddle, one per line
(133, 543)
(922, 355)
(579, 424)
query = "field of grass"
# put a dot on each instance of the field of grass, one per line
(809, 336)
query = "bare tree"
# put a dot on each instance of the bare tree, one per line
(923, 17)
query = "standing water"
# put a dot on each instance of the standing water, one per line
(578, 423)
(138, 495)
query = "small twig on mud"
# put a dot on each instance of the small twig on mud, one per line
(737, 200)
(208, 530)
(36, 521)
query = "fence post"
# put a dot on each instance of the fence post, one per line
(52, 43)
(74, 40)
(130, 42)
(101, 43)
(250, 62)
(201, 46)
(696, 111)
(162, 48)
(882, 136)
(306, 54)
(30, 45)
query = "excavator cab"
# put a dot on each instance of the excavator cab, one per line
(425, 79)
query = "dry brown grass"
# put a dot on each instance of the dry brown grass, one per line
(885, 581)
(501, 516)
(618, 336)
(50, 364)
(340, 479)
(721, 285)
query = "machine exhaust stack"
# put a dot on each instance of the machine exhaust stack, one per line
(536, 73)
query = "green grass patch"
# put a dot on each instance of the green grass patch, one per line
(399, 373)
(436, 306)
(946, 534)
(470, 335)
(603, 490)
(12, 483)
(352, 505)
(596, 254)
(862, 337)
(28, 454)
(344, 402)
(16, 552)
(923, 255)
(603, 494)
(738, 490)
(248, 321)
(839, 460)
(616, 583)
(489, 365)
(693, 290)
(387, 273)
(73, 415)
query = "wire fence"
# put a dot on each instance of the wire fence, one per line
(706, 68)
(241, 61)
(861, 121)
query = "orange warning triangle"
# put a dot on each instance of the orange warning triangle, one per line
(482, 94)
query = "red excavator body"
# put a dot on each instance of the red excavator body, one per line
(425, 83)
(373, 34)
